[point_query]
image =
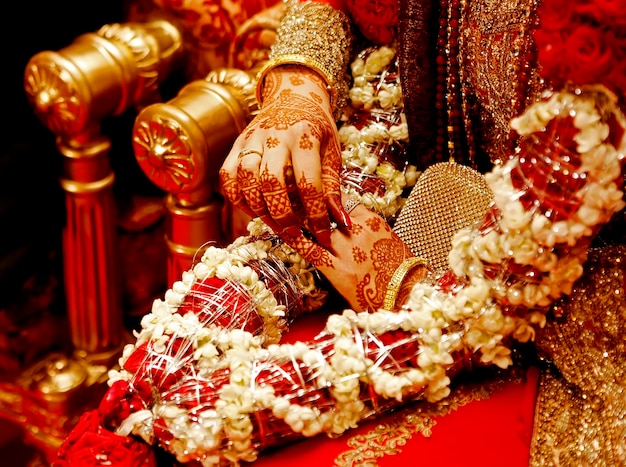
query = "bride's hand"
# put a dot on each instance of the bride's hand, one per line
(284, 167)
(360, 261)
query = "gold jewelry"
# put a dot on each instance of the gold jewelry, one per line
(319, 37)
(295, 59)
(351, 203)
(398, 276)
(247, 152)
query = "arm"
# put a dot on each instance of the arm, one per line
(285, 166)
(364, 261)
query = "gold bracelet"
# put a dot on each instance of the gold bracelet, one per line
(317, 36)
(295, 59)
(398, 276)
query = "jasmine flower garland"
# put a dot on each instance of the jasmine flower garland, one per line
(245, 395)
(374, 135)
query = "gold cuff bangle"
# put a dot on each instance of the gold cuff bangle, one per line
(317, 36)
(296, 59)
(398, 276)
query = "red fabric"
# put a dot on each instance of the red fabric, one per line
(483, 433)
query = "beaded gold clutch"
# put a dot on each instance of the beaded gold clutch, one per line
(447, 198)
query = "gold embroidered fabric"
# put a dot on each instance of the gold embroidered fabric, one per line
(387, 439)
(496, 67)
(496, 48)
(581, 407)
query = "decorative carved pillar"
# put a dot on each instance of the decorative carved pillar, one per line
(99, 75)
(180, 146)
(91, 269)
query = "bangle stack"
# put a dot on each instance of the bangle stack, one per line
(398, 276)
(316, 36)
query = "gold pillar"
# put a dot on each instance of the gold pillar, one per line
(180, 145)
(99, 75)
(91, 269)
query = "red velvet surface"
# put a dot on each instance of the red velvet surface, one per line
(491, 432)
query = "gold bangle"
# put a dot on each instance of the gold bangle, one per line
(398, 276)
(296, 59)
(317, 36)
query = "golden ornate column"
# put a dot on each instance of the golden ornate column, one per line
(99, 75)
(180, 145)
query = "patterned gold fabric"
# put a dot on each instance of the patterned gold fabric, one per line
(387, 439)
(496, 72)
(498, 69)
(581, 410)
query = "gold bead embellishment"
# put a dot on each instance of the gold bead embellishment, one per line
(319, 37)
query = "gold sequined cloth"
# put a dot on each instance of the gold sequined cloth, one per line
(498, 69)
(581, 407)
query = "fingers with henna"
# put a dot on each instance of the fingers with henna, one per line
(331, 181)
(311, 193)
(275, 190)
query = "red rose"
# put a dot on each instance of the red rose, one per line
(589, 54)
(609, 12)
(90, 445)
(376, 19)
(556, 15)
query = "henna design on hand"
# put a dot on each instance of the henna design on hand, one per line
(291, 105)
(375, 223)
(289, 109)
(277, 199)
(358, 254)
(271, 142)
(315, 206)
(356, 229)
(250, 187)
(271, 85)
(230, 188)
(296, 80)
(319, 257)
(305, 142)
(386, 254)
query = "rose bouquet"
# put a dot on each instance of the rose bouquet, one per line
(582, 42)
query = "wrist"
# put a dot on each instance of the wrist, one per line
(316, 36)
(299, 75)
(414, 276)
